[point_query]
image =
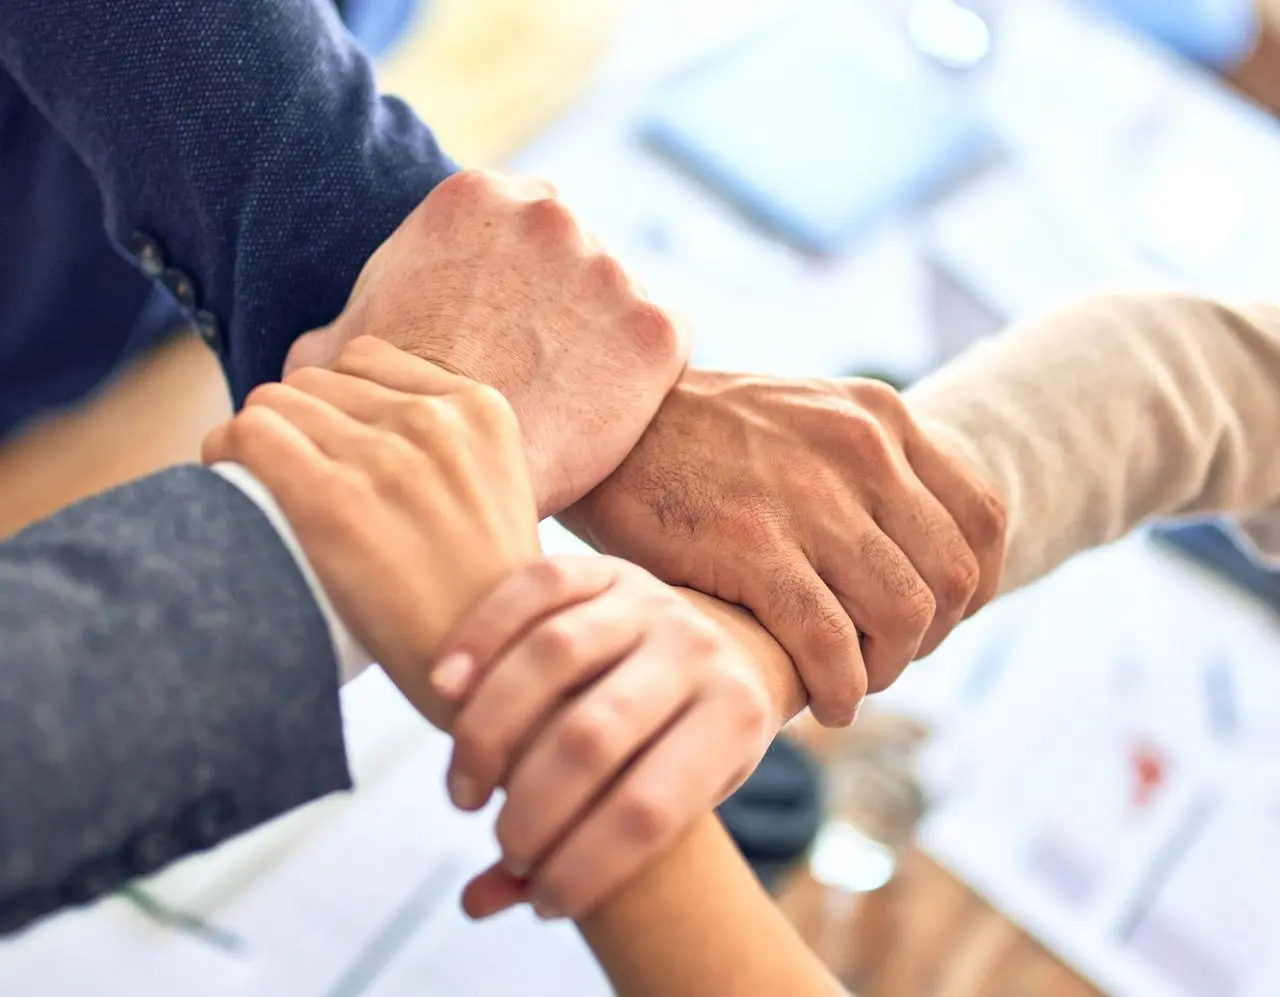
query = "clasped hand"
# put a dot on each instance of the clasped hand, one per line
(612, 712)
(851, 534)
(821, 506)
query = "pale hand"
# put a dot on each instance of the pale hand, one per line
(492, 277)
(612, 711)
(407, 489)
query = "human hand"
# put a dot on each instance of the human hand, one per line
(822, 507)
(614, 714)
(406, 487)
(491, 277)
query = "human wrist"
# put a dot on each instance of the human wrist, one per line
(787, 693)
(351, 657)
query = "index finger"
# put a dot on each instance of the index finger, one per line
(798, 608)
(378, 361)
(518, 603)
(279, 454)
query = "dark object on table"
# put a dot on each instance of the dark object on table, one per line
(774, 817)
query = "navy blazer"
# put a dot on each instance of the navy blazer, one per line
(239, 156)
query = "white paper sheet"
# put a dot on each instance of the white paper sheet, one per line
(1095, 793)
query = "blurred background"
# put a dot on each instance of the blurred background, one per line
(1079, 794)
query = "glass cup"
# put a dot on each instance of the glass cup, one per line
(874, 803)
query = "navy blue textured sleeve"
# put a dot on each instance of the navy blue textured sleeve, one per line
(242, 150)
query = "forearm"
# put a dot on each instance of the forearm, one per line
(699, 924)
(1087, 422)
(1108, 413)
(786, 690)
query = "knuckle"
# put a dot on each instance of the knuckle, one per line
(832, 629)
(884, 564)
(877, 396)
(269, 394)
(551, 574)
(458, 202)
(420, 419)
(655, 335)
(488, 408)
(425, 420)
(585, 739)
(248, 425)
(840, 708)
(990, 520)
(797, 598)
(484, 399)
(791, 599)
(915, 613)
(699, 638)
(867, 439)
(644, 819)
(305, 379)
(555, 575)
(550, 219)
(361, 350)
(607, 275)
(959, 580)
(555, 641)
(464, 185)
(387, 465)
(628, 574)
(749, 705)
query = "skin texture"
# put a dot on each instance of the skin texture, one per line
(698, 924)
(407, 488)
(1193, 403)
(752, 489)
(492, 277)
(614, 713)
(613, 727)
(822, 507)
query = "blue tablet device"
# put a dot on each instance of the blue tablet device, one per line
(819, 124)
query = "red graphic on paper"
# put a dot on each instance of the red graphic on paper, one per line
(1150, 770)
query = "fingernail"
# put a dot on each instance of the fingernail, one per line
(546, 910)
(453, 674)
(465, 791)
(517, 869)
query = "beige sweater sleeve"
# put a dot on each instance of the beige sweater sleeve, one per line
(1110, 412)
